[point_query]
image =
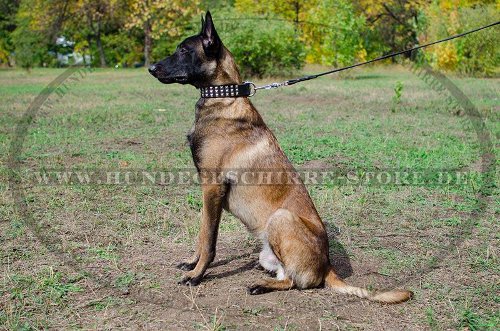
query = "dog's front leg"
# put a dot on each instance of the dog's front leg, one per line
(213, 196)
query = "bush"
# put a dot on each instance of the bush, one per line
(334, 38)
(479, 54)
(474, 55)
(30, 46)
(122, 49)
(261, 46)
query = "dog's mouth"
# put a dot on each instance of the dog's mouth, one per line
(174, 79)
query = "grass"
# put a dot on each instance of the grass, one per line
(124, 240)
(40, 292)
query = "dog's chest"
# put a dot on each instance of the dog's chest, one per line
(195, 136)
(208, 139)
(194, 141)
(204, 146)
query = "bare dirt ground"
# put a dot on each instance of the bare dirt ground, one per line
(152, 299)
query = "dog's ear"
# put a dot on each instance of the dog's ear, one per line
(211, 41)
(202, 24)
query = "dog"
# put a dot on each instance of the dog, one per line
(229, 133)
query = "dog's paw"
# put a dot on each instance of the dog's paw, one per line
(190, 281)
(257, 289)
(186, 266)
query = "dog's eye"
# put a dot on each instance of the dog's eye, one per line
(183, 50)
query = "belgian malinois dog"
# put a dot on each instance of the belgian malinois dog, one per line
(229, 133)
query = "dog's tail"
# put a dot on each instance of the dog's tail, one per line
(338, 285)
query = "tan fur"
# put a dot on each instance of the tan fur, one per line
(229, 133)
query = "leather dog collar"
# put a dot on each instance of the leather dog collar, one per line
(228, 91)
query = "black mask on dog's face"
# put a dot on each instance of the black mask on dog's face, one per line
(195, 59)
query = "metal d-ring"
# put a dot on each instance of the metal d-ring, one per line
(253, 88)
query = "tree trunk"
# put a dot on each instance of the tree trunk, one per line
(57, 25)
(99, 45)
(147, 43)
(89, 41)
(297, 10)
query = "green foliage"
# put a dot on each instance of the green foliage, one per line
(166, 44)
(479, 55)
(5, 49)
(160, 20)
(335, 35)
(261, 48)
(122, 49)
(267, 37)
(290, 10)
(330, 29)
(474, 55)
(8, 10)
(398, 92)
(393, 24)
(163, 47)
(29, 44)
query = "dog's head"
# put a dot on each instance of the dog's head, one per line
(195, 59)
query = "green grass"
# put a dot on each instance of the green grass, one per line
(40, 292)
(383, 118)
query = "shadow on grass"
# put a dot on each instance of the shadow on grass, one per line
(363, 77)
(339, 258)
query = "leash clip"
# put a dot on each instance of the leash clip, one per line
(271, 86)
(254, 89)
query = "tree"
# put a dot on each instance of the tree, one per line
(334, 33)
(330, 29)
(8, 10)
(295, 11)
(395, 22)
(38, 23)
(477, 54)
(260, 49)
(98, 15)
(160, 19)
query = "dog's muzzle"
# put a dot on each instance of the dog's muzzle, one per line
(157, 71)
(152, 69)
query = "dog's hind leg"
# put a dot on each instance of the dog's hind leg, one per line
(270, 262)
(269, 285)
(294, 250)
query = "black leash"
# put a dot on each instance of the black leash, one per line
(248, 89)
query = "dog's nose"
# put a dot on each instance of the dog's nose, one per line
(152, 69)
